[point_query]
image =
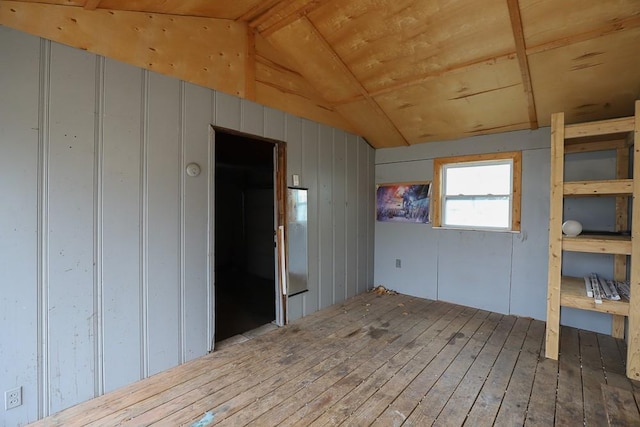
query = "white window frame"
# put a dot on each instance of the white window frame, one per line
(440, 198)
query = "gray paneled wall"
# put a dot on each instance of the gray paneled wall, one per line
(104, 240)
(502, 272)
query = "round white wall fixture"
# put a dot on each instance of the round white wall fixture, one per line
(571, 228)
(193, 169)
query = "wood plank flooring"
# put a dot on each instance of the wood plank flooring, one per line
(385, 360)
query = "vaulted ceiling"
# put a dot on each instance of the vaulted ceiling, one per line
(397, 72)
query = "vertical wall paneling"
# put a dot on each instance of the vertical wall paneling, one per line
(121, 241)
(107, 243)
(44, 96)
(294, 309)
(326, 288)
(293, 139)
(211, 246)
(19, 221)
(181, 245)
(98, 186)
(418, 248)
(144, 225)
(310, 134)
(339, 217)
(363, 211)
(352, 215)
(228, 111)
(495, 263)
(197, 113)
(371, 218)
(526, 269)
(274, 124)
(71, 227)
(163, 175)
(252, 118)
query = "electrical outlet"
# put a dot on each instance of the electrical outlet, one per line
(398, 263)
(13, 398)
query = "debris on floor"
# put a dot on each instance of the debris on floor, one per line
(204, 421)
(381, 290)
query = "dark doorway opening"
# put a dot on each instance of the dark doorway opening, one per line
(245, 289)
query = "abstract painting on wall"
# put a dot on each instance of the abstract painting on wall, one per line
(403, 202)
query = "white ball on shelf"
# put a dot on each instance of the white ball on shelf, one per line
(571, 228)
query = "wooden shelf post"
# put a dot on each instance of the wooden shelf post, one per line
(555, 236)
(633, 337)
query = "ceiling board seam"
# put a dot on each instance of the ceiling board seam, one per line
(289, 19)
(300, 12)
(483, 92)
(286, 90)
(622, 25)
(495, 128)
(267, 14)
(276, 66)
(523, 61)
(262, 8)
(354, 80)
(316, 99)
(91, 4)
(464, 67)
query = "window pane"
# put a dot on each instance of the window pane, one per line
(478, 179)
(477, 212)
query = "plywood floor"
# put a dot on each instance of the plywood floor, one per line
(384, 361)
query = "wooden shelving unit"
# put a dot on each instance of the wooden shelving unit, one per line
(619, 135)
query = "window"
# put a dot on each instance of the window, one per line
(479, 192)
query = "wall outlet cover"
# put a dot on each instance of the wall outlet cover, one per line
(13, 398)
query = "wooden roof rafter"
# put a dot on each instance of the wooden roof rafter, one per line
(521, 52)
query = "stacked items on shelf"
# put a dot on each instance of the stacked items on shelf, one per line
(599, 288)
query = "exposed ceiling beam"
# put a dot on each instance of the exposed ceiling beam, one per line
(523, 61)
(91, 4)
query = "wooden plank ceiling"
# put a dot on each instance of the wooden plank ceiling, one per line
(397, 72)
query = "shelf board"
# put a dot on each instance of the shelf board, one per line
(585, 145)
(620, 245)
(610, 187)
(573, 294)
(602, 127)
